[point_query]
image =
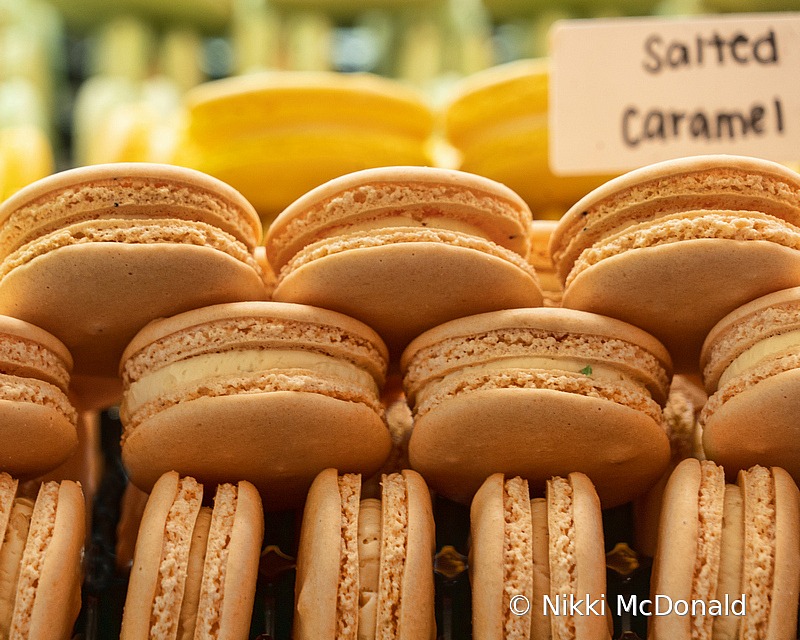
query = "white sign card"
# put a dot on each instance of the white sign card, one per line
(627, 92)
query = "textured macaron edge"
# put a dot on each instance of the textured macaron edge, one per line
(372, 194)
(637, 196)
(88, 192)
(29, 351)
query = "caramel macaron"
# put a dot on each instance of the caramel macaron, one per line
(732, 550)
(365, 567)
(93, 254)
(675, 246)
(268, 392)
(38, 424)
(195, 567)
(525, 550)
(538, 393)
(751, 370)
(404, 249)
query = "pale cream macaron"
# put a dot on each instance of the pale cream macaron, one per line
(268, 392)
(41, 553)
(525, 551)
(404, 249)
(93, 254)
(751, 370)
(365, 567)
(195, 568)
(736, 544)
(38, 424)
(538, 393)
(675, 246)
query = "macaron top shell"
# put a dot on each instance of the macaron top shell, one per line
(125, 191)
(770, 315)
(401, 196)
(548, 332)
(713, 183)
(30, 352)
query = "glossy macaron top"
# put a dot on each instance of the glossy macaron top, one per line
(540, 333)
(125, 191)
(757, 333)
(401, 197)
(30, 352)
(721, 183)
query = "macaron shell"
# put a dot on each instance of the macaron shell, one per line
(525, 432)
(272, 429)
(403, 289)
(678, 291)
(58, 599)
(487, 523)
(318, 559)
(786, 580)
(36, 438)
(417, 620)
(90, 295)
(757, 426)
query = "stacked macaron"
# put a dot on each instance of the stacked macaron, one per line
(404, 249)
(267, 392)
(675, 246)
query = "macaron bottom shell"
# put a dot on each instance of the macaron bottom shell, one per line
(36, 438)
(758, 425)
(679, 291)
(277, 440)
(537, 434)
(94, 297)
(403, 289)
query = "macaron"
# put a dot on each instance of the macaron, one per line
(93, 254)
(404, 249)
(528, 556)
(365, 567)
(675, 246)
(269, 392)
(730, 551)
(275, 135)
(195, 567)
(538, 393)
(41, 552)
(38, 424)
(497, 119)
(541, 231)
(751, 370)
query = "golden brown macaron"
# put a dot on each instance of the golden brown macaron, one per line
(723, 543)
(526, 551)
(404, 249)
(93, 254)
(41, 552)
(38, 424)
(675, 246)
(751, 369)
(269, 392)
(365, 567)
(537, 393)
(195, 568)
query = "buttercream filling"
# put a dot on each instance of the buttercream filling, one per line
(16, 535)
(369, 561)
(599, 372)
(194, 575)
(759, 351)
(431, 222)
(237, 363)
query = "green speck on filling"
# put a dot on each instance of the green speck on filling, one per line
(587, 370)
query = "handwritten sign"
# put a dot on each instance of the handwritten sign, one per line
(632, 91)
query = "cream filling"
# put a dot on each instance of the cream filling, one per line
(16, 535)
(731, 553)
(235, 363)
(194, 575)
(592, 370)
(369, 564)
(762, 349)
(432, 222)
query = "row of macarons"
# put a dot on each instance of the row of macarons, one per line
(729, 553)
